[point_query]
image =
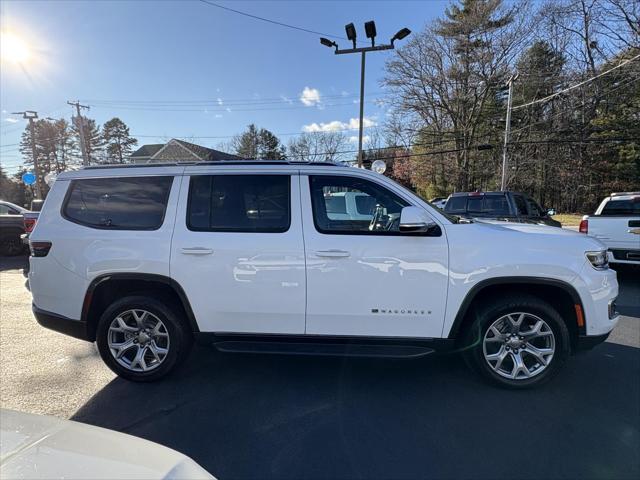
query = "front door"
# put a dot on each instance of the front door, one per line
(365, 277)
(237, 251)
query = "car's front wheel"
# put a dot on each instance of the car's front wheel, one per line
(141, 338)
(518, 342)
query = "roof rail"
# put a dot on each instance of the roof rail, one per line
(212, 162)
(619, 194)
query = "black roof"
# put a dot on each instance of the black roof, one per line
(148, 150)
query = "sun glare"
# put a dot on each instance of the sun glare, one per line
(13, 49)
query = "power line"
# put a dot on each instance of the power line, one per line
(217, 109)
(579, 84)
(274, 22)
(229, 101)
(624, 83)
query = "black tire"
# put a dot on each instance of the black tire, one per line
(498, 308)
(179, 337)
(11, 244)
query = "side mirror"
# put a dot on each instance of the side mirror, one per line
(551, 212)
(415, 220)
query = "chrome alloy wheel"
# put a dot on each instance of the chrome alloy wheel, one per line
(519, 346)
(138, 340)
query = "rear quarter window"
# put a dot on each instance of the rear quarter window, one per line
(123, 203)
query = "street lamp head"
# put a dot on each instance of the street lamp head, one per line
(370, 30)
(351, 33)
(400, 35)
(328, 43)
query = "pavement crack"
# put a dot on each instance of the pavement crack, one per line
(153, 417)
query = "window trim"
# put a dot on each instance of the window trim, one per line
(361, 232)
(233, 230)
(73, 182)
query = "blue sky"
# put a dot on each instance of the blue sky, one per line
(112, 54)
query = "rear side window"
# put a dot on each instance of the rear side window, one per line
(123, 203)
(630, 207)
(239, 203)
(488, 204)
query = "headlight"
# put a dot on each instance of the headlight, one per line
(598, 260)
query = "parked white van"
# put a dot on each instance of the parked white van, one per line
(249, 256)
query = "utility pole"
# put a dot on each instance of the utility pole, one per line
(360, 125)
(32, 116)
(370, 30)
(83, 143)
(507, 132)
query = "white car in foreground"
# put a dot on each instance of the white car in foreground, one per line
(271, 257)
(616, 223)
(41, 447)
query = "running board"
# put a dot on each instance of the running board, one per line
(333, 349)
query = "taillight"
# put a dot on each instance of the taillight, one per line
(39, 249)
(584, 226)
(29, 223)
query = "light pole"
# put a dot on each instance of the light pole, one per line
(31, 116)
(507, 132)
(370, 30)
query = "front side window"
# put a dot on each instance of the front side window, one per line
(368, 207)
(239, 203)
(124, 203)
(521, 205)
(534, 208)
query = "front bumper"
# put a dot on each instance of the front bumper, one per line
(68, 326)
(588, 342)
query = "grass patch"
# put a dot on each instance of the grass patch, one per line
(568, 219)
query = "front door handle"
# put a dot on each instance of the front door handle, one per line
(197, 251)
(332, 253)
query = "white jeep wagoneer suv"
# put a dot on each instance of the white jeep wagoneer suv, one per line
(271, 257)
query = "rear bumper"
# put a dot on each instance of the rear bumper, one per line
(68, 326)
(588, 342)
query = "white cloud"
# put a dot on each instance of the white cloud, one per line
(286, 99)
(310, 96)
(219, 101)
(228, 109)
(344, 93)
(11, 120)
(218, 115)
(354, 138)
(337, 125)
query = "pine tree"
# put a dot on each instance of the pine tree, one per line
(117, 140)
(93, 141)
(257, 143)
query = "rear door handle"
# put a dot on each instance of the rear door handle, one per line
(332, 253)
(197, 251)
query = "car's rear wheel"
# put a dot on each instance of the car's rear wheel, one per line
(141, 338)
(518, 342)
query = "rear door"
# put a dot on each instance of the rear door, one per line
(237, 250)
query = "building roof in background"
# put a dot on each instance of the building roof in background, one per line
(148, 150)
(179, 151)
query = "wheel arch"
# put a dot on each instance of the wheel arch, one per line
(560, 294)
(104, 288)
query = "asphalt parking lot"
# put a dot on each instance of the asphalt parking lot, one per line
(250, 416)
